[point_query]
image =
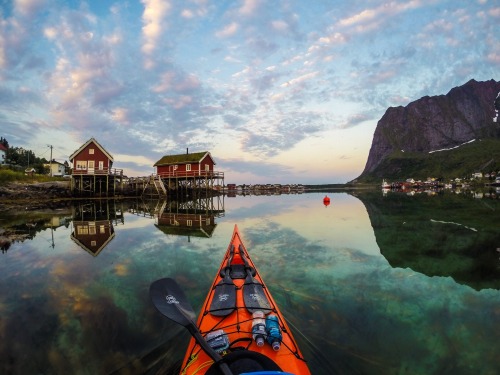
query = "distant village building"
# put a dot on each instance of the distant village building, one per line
(55, 168)
(29, 171)
(3, 154)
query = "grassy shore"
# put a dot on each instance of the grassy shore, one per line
(8, 176)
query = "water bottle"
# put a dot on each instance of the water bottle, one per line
(259, 327)
(273, 331)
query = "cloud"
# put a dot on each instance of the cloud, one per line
(249, 7)
(176, 82)
(264, 77)
(278, 132)
(300, 80)
(153, 18)
(355, 120)
(256, 168)
(228, 30)
(28, 8)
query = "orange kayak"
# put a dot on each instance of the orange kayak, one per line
(241, 322)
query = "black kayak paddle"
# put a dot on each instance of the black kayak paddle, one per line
(253, 291)
(170, 300)
(224, 299)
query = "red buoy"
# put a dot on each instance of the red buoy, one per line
(326, 201)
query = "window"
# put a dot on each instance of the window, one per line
(189, 223)
(188, 167)
(81, 164)
(82, 230)
(93, 243)
(91, 151)
(101, 165)
(102, 229)
(175, 167)
(207, 222)
(207, 167)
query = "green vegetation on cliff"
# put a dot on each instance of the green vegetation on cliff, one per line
(479, 156)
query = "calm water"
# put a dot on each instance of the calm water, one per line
(372, 284)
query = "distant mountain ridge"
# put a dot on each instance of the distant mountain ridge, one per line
(435, 123)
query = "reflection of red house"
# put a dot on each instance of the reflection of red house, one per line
(91, 158)
(93, 236)
(186, 224)
(194, 164)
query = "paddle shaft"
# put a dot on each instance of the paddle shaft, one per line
(228, 263)
(170, 300)
(245, 261)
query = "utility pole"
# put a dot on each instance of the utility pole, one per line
(50, 163)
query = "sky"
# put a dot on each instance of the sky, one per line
(283, 91)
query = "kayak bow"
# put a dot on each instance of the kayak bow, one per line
(226, 323)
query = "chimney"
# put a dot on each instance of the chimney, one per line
(187, 150)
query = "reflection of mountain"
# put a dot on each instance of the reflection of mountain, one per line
(194, 218)
(93, 224)
(444, 235)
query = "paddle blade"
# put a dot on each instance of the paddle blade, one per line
(224, 299)
(255, 298)
(170, 300)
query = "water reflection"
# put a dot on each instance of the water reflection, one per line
(93, 224)
(21, 226)
(190, 218)
(451, 235)
(344, 275)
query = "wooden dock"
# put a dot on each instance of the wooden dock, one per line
(102, 182)
(193, 184)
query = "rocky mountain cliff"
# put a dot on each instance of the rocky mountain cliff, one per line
(436, 122)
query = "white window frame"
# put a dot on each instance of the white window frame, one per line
(188, 167)
(91, 151)
(81, 165)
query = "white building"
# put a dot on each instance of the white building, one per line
(3, 154)
(55, 168)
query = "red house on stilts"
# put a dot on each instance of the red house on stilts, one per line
(92, 170)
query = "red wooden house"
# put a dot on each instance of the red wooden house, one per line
(91, 159)
(186, 165)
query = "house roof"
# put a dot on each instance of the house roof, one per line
(72, 156)
(2, 147)
(54, 162)
(194, 157)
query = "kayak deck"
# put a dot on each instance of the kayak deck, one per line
(237, 291)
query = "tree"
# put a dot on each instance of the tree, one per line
(4, 142)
